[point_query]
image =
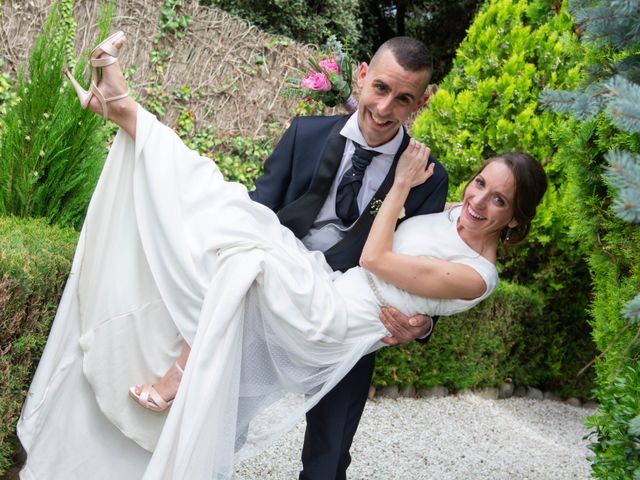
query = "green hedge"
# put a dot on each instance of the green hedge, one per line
(483, 347)
(612, 248)
(489, 104)
(34, 262)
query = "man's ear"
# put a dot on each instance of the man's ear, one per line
(424, 99)
(362, 72)
(426, 96)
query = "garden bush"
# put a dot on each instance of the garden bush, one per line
(488, 104)
(483, 347)
(35, 259)
(304, 21)
(51, 151)
(616, 439)
(600, 151)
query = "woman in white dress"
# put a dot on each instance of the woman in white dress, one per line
(171, 254)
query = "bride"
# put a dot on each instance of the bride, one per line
(171, 255)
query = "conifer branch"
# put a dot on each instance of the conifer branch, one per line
(616, 22)
(624, 103)
(582, 105)
(631, 310)
(623, 174)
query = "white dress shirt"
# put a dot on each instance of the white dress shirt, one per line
(327, 228)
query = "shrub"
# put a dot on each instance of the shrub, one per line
(239, 158)
(34, 262)
(302, 20)
(617, 446)
(51, 151)
(488, 104)
(601, 152)
(483, 347)
(6, 96)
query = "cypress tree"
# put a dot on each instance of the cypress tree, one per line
(608, 110)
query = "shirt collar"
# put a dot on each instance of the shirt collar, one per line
(351, 130)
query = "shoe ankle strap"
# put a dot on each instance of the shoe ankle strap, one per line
(103, 61)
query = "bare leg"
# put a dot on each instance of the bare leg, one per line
(122, 112)
(168, 385)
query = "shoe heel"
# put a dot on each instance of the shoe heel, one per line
(83, 96)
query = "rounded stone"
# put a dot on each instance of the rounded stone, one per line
(490, 393)
(389, 392)
(534, 393)
(372, 392)
(506, 390)
(408, 391)
(520, 391)
(552, 396)
(433, 392)
(574, 402)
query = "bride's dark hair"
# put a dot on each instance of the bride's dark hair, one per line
(531, 184)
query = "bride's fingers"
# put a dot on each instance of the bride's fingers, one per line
(423, 153)
(424, 175)
(429, 171)
(414, 147)
(425, 169)
(415, 163)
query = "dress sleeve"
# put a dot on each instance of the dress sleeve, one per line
(487, 271)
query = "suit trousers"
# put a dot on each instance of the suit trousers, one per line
(332, 423)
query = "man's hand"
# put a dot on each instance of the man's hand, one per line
(403, 329)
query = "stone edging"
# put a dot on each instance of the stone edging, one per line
(507, 390)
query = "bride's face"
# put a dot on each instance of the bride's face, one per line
(488, 202)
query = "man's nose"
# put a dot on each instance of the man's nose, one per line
(385, 105)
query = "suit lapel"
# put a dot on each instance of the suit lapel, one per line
(299, 215)
(364, 222)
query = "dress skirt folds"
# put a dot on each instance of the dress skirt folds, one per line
(170, 251)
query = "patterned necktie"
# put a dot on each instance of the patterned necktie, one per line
(347, 194)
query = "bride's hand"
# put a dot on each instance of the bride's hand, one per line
(413, 166)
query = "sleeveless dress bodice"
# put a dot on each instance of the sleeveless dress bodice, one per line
(432, 235)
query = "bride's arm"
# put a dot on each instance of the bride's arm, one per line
(424, 276)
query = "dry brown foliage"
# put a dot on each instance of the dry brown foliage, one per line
(218, 59)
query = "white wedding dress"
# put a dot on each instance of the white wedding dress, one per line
(169, 250)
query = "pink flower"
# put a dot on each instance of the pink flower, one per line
(316, 81)
(329, 65)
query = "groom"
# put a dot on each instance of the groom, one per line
(324, 179)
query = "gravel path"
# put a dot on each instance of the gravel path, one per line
(460, 437)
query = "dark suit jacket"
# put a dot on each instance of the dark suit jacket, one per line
(299, 173)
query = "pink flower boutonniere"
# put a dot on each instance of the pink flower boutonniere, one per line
(328, 80)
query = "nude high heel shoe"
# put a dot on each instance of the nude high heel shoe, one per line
(150, 398)
(109, 57)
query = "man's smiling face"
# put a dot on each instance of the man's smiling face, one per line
(389, 94)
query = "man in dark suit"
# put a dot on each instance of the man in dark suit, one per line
(305, 181)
